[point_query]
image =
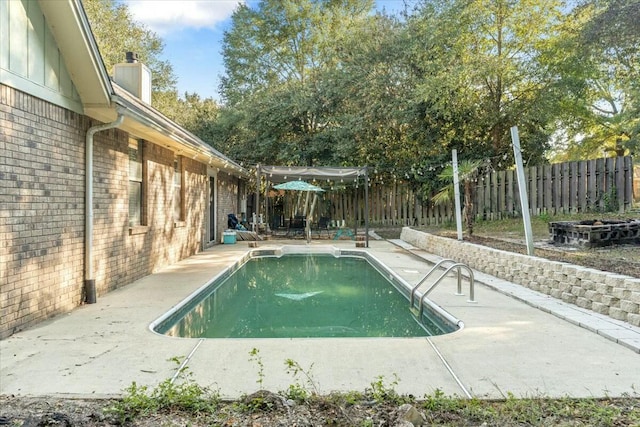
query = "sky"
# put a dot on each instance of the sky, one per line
(192, 31)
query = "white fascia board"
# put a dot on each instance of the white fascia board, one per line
(70, 28)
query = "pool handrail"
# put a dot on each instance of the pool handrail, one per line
(458, 266)
(426, 276)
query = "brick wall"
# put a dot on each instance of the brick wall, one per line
(611, 294)
(227, 201)
(120, 255)
(42, 217)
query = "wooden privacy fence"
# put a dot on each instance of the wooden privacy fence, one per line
(394, 204)
(600, 185)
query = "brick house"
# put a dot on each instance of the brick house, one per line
(97, 188)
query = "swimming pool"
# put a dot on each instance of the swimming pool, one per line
(295, 292)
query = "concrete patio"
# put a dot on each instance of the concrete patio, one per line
(514, 341)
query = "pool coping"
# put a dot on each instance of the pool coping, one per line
(394, 279)
(507, 346)
(617, 331)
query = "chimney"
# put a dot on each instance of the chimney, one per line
(134, 77)
(132, 57)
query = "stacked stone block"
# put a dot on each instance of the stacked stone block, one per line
(617, 296)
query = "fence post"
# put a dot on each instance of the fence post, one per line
(522, 185)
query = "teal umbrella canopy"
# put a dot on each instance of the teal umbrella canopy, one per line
(297, 185)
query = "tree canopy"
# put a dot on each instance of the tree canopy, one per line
(316, 82)
(335, 82)
(116, 33)
(601, 80)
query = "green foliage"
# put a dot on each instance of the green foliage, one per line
(137, 402)
(438, 401)
(338, 85)
(276, 55)
(380, 392)
(533, 411)
(544, 217)
(478, 72)
(299, 392)
(194, 402)
(254, 356)
(261, 401)
(467, 173)
(141, 401)
(350, 397)
(117, 33)
(599, 76)
(332, 83)
(610, 199)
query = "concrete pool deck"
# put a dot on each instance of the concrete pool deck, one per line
(508, 345)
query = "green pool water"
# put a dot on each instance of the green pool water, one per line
(301, 296)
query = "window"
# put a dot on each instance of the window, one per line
(178, 176)
(135, 182)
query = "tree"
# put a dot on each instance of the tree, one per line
(600, 78)
(481, 71)
(116, 33)
(275, 56)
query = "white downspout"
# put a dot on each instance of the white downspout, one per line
(89, 281)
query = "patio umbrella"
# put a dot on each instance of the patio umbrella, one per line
(298, 185)
(302, 186)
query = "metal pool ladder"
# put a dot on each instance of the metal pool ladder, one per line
(442, 264)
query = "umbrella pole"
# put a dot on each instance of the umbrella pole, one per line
(310, 217)
(306, 203)
(256, 209)
(298, 203)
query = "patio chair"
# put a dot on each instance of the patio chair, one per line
(296, 225)
(323, 225)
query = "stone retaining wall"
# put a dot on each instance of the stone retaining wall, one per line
(615, 295)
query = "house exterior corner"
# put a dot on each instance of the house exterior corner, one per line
(158, 193)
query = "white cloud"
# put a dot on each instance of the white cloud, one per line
(166, 16)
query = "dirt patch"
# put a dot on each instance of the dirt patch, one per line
(326, 411)
(274, 411)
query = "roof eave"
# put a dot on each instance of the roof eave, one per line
(103, 100)
(145, 122)
(70, 27)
